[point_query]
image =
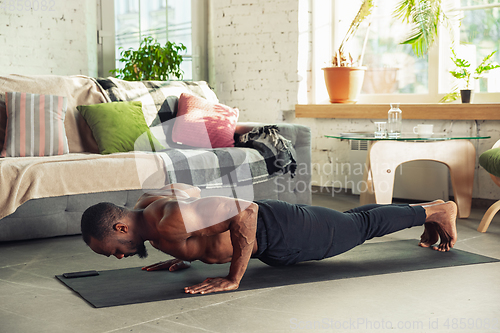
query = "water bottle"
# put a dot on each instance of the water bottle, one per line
(394, 121)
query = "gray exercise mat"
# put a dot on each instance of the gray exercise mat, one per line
(133, 285)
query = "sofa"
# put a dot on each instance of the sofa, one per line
(45, 195)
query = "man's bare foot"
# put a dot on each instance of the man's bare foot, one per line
(430, 235)
(438, 201)
(443, 218)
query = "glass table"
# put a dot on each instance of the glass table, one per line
(367, 136)
(385, 154)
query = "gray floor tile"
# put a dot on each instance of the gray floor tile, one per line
(32, 300)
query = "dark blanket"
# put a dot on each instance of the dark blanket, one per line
(278, 152)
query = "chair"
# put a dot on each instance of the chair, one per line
(490, 161)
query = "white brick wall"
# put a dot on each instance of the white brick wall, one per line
(56, 41)
(254, 47)
(254, 51)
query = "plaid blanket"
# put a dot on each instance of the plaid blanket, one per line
(214, 168)
(235, 169)
(157, 97)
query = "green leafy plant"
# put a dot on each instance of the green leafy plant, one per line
(463, 72)
(463, 66)
(343, 58)
(151, 61)
(425, 16)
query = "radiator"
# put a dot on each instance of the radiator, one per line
(415, 180)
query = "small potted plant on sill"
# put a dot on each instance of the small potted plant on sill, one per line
(464, 73)
(344, 77)
(151, 61)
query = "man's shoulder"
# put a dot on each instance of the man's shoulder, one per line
(148, 199)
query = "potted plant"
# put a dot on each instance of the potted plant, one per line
(463, 73)
(344, 77)
(151, 61)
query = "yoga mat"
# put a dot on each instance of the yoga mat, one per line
(133, 285)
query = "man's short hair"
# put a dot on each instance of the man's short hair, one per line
(98, 220)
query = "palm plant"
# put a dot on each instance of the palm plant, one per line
(341, 58)
(425, 16)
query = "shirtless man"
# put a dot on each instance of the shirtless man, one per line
(218, 230)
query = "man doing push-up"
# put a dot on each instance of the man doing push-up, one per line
(217, 230)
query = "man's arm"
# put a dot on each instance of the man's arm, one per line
(242, 232)
(172, 265)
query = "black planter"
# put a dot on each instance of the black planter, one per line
(466, 95)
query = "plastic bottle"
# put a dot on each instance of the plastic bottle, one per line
(394, 121)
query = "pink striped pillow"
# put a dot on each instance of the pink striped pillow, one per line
(35, 125)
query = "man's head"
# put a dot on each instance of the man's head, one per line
(109, 229)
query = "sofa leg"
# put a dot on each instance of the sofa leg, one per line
(488, 216)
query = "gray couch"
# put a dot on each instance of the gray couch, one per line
(57, 216)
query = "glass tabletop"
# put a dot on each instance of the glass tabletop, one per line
(370, 136)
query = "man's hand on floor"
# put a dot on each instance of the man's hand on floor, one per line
(211, 285)
(172, 265)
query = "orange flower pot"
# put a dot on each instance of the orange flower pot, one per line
(344, 83)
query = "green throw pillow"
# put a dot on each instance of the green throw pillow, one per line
(116, 127)
(490, 161)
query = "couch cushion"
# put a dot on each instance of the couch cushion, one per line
(118, 127)
(35, 125)
(197, 117)
(490, 161)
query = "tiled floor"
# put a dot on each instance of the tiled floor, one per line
(462, 299)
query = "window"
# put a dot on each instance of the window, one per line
(178, 21)
(394, 73)
(163, 20)
(391, 67)
(479, 35)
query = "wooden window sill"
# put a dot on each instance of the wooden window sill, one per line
(490, 111)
